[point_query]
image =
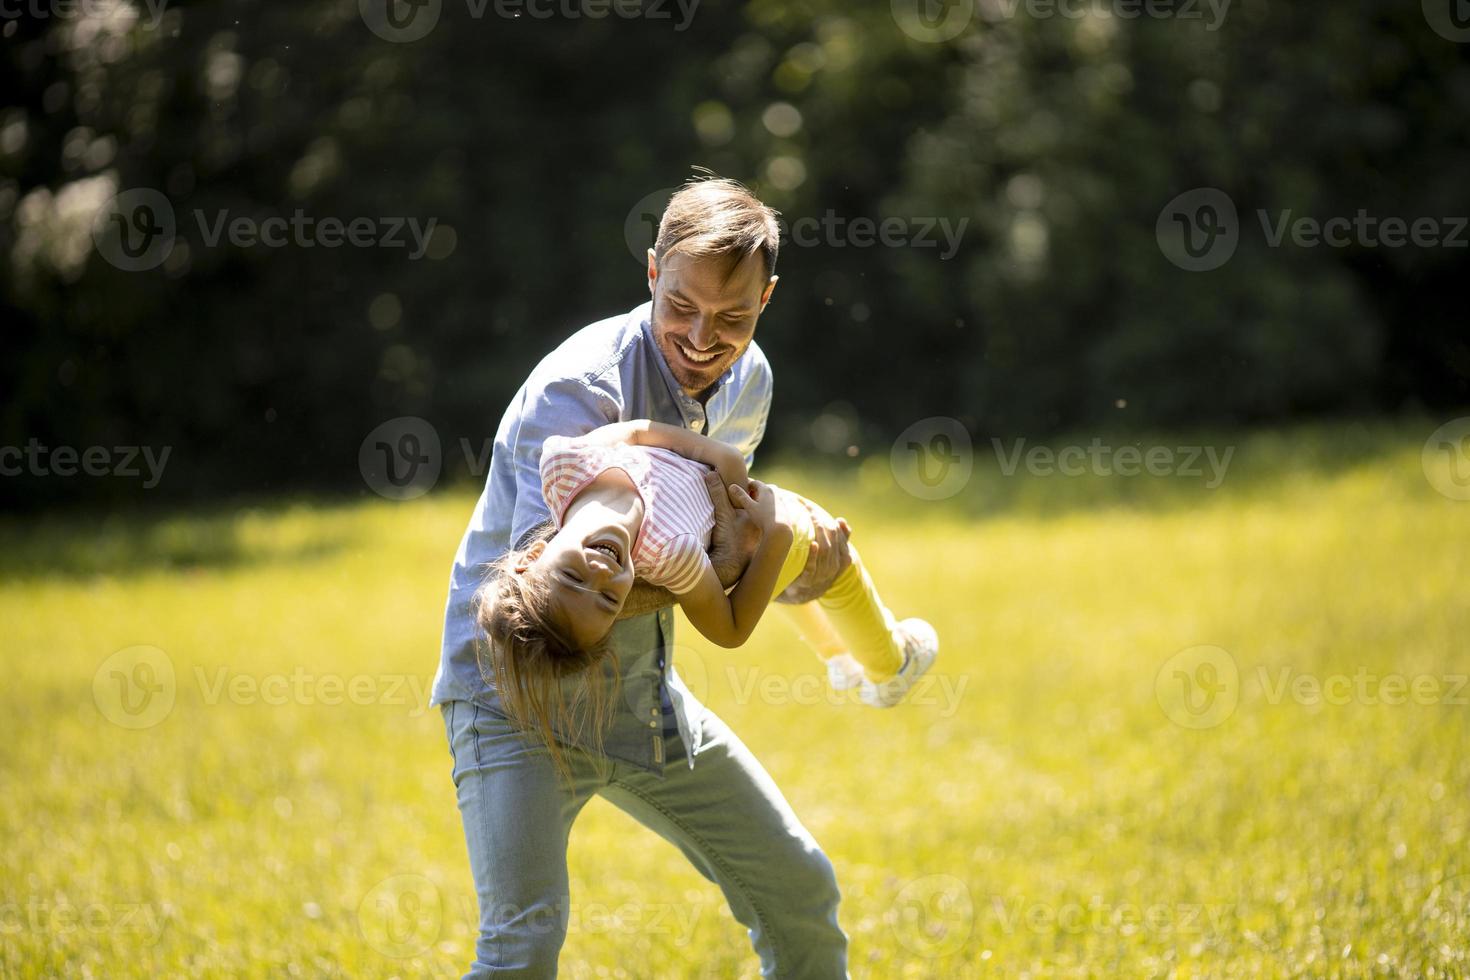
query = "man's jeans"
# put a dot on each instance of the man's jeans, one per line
(725, 814)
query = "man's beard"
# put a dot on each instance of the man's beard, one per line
(696, 380)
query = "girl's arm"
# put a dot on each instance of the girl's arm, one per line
(725, 460)
(730, 619)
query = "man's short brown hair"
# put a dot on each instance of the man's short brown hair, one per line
(718, 217)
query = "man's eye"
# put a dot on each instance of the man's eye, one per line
(610, 598)
(575, 577)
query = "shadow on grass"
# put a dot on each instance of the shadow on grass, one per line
(1007, 479)
(1016, 477)
(216, 537)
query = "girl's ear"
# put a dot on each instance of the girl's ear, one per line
(528, 556)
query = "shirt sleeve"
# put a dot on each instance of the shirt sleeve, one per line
(563, 407)
(564, 464)
(683, 564)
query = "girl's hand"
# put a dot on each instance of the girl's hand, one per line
(759, 502)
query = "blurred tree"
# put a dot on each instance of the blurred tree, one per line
(1052, 143)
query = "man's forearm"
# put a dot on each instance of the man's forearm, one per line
(644, 598)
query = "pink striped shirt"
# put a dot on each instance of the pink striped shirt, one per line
(672, 548)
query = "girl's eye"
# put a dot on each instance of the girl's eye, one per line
(575, 577)
(610, 598)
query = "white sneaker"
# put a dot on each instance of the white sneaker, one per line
(844, 672)
(920, 647)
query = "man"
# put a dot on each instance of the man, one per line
(686, 358)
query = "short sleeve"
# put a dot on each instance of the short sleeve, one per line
(683, 563)
(561, 407)
(566, 465)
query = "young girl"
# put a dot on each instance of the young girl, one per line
(629, 499)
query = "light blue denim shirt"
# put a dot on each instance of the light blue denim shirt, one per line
(609, 371)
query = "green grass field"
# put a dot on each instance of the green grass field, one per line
(261, 791)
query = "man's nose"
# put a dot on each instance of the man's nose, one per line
(702, 335)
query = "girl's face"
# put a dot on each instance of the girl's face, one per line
(589, 574)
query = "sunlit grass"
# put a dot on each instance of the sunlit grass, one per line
(1038, 813)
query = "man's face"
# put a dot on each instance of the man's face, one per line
(704, 313)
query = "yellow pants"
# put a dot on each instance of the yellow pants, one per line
(849, 617)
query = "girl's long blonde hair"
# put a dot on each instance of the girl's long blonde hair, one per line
(528, 659)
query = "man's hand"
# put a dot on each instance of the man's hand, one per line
(826, 560)
(734, 537)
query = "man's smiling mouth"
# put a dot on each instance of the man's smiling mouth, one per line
(697, 357)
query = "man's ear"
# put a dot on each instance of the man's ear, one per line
(652, 271)
(770, 288)
(530, 555)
